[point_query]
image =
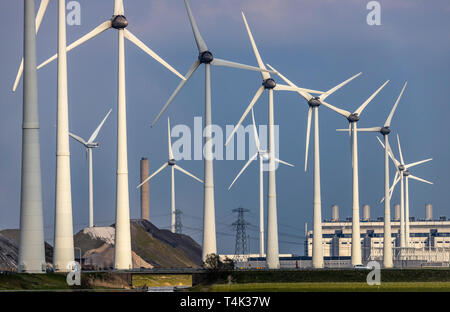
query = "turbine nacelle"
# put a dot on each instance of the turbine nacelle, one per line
(385, 131)
(401, 168)
(206, 57)
(171, 162)
(119, 22)
(314, 102)
(269, 83)
(406, 173)
(92, 145)
(353, 117)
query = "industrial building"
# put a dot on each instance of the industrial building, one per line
(429, 238)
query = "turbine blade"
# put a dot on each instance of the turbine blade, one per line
(39, 16)
(281, 87)
(284, 162)
(400, 150)
(255, 130)
(95, 133)
(150, 52)
(187, 173)
(152, 175)
(220, 62)
(169, 139)
(252, 103)
(305, 94)
(93, 33)
(264, 75)
(361, 108)
(308, 133)
(419, 179)
(177, 90)
(390, 153)
(394, 183)
(418, 163)
(389, 119)
(332, 90)
(372, 129)
(243, 169)
(79, 139)
(118, 7)
(342, 112)
(201, 45)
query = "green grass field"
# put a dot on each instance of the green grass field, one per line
(329, 287)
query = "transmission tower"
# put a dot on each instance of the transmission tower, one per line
(178, 224)
(241, 236)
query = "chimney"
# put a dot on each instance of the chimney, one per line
(145, 199)
(335, 213)
(366, 213)
(428, 212)
(397, 212)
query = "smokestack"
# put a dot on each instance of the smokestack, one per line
(428, 212)
(397, 212)
(366, 213)
(145, 199)
(335, 213)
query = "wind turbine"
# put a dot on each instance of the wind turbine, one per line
(314, 103)
(402, 172)
(353, 119)
(270, 85)
(205, 57)
(31, 240)
(89, 145)
(172, 164)
(385, 130)
(261, 155)
(122, 250)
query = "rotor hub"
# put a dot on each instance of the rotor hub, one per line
(401, 168)
(353, 117)
(385, 131)
(406, 173)
(171, 162)
(206, 57)
(314, 102)
(119, 22)
(269, 83)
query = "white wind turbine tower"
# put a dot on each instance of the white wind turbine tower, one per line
(261, 155)
(122, 250)
(385, 130)
(205, 57)
(353, 119)
(172, 164)
(402, 172)
(314, 103)
(63, 254)
(89, 145)
(270, 85)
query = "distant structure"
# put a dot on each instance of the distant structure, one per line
(429, 237)
(145, 190)
(241, 234)
(178, 224)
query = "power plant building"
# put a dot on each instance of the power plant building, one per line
(426, 235)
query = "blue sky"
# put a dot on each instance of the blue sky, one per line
(317, 44)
